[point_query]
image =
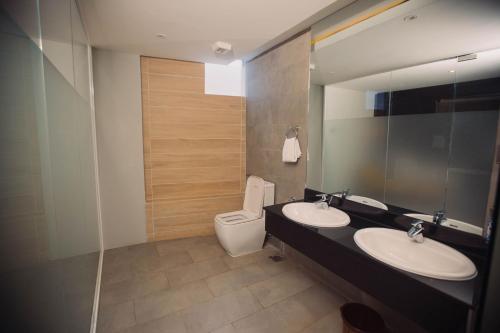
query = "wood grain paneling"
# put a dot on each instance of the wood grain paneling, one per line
(194, 150)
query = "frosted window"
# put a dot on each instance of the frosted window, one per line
(224, 79)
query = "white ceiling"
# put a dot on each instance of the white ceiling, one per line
(443, 29)
(486, 65)
(192, 26)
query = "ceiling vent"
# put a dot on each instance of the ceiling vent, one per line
(467, 57)
(221, 48)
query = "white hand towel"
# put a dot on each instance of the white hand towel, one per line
(298, 152)
(291, 150)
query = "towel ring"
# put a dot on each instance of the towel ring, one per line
(292, 132)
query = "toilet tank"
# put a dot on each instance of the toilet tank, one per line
(268, 194)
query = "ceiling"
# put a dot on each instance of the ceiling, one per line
(442, 29)
(486, 65)
(192, 26)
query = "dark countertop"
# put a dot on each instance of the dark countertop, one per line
(461, 291)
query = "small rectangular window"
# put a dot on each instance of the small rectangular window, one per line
(225, 79)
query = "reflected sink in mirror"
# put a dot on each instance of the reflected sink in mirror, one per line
(450, 223)
(316, 215)
(366, 201)
(430, 258)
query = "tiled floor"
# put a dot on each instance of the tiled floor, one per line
(192, 285)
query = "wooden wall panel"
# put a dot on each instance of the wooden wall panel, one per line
(194, 150)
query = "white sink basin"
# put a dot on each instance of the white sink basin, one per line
(366, 201)
(430, 258)
(313, 215)
(450, 223)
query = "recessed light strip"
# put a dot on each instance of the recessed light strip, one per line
(357, 20)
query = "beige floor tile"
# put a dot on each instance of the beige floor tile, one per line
(169, 324)
(264, 321)
(236, 279)
(160, 304)
(115, 273)
(114, 318)
(180, 245)
(220, 311)
(235, 262)
(292, 314)
(303, 309)
(197, 271)
(133, 288)
(275, 267)
(206, 251)
(225, 329)
(161, 263)
(280, 286)
(331, 323)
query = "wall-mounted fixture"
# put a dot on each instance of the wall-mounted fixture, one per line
(221, 48)
(410, 18)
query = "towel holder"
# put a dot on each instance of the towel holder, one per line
(292, 132)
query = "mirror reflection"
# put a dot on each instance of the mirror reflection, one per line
(419, 141)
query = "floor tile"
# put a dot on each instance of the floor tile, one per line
(280, 287)
(115, 273)
(197, 271)
(235, 262)
(206, 251)
(235, 279)
(275, 267)
(161, 263)
(114, 318)
(264, 321)
(133, 288)
(331, 323)
(292, 314)
(225, 329)
(160, 304)
(220, 311)
(179, 245)
(169, 324)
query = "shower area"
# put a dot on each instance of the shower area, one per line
(50, 239)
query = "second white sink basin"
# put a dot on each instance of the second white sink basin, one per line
(366, 201)
(430, 258)
(313, 215)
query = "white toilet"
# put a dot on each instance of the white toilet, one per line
(242, 232)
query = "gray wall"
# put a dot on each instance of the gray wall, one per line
(117, 81)
(277, 88)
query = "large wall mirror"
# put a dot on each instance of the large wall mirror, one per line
(419, 139)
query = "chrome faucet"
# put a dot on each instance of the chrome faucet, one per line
(416, 231)
(343, 194)
(439, 217)
(321, 203)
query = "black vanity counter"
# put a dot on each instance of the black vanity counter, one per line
(437, 305)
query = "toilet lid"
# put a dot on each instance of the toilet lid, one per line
(254, 195)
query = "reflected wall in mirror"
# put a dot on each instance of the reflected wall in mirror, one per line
(418, 137)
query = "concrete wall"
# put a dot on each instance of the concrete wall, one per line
(117, 89)
(277, 87)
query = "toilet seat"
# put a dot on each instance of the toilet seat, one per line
(237, 217)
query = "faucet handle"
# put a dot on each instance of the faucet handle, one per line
(417, 223)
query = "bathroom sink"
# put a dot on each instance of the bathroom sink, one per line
(430, 258)
(366, 201)
(450, 223)
(316, 215)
